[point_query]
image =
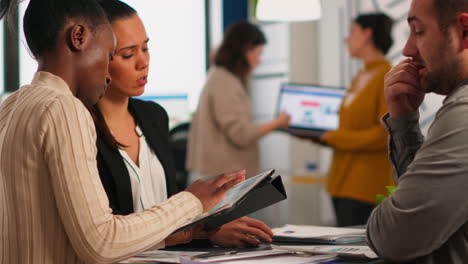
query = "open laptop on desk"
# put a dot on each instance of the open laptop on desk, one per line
(313, 108)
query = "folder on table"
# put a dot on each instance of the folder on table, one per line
(349, 252)
(318, 234)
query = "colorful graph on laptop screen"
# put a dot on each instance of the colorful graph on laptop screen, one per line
(311, 106)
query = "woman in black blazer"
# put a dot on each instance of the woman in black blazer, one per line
(121, 121)
(153, 122)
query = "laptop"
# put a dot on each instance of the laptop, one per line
(313, 108)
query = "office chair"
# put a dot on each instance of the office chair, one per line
(179, 139)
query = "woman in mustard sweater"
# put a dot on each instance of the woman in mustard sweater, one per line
(360, 167)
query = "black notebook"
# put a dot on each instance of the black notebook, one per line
(244, 198)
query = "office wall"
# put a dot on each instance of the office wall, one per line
(216, 23)
(176, 30)
(291, 55)
(27, 64)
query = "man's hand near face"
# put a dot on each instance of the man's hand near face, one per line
(403, 91)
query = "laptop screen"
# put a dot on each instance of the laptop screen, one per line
(311, 107)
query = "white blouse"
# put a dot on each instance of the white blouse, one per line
(148, 180)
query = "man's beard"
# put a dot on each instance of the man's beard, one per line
(444, 79)
(447, 76)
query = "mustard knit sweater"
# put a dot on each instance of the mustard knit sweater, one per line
(360, 167)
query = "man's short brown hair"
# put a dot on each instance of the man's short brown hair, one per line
(447, 11)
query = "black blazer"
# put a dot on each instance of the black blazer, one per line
(153, 121)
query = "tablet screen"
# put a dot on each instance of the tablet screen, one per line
(238, 191)
(311, 106)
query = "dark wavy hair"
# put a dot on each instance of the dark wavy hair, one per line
(44, 19)
(447, 11)
(381, 26)
(115, 10)
(238, 38)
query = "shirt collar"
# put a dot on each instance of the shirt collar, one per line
(138, 131)
(42, 78)
(458, 88)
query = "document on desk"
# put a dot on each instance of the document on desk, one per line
(238, 255)
(281, 257)
(235, 256)
(318, 234)
(164, 256)
(342, 251)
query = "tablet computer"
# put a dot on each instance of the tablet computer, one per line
(230, 200)
(313, 108)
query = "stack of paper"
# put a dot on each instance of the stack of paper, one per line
(163, 256)
(240, 256)
(273, 257)
(342, 251)
(318, 234)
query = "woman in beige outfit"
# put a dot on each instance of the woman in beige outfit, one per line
(223, 134)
